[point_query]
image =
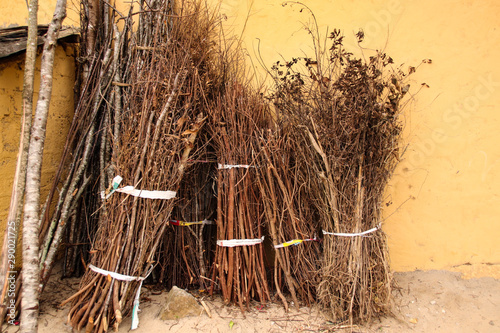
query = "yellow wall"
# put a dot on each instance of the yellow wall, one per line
(444, 199)
(11, 87)
(60, 113)
(445, 193)
(15, 13)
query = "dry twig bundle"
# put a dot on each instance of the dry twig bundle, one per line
(185, 260)
(169, 75)
(240, 271)
(289, 211)
(343, 115)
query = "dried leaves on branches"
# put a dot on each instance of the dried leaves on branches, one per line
(342, 114)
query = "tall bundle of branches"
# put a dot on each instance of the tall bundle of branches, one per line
(342, 112)
(102, 63)
(185, 260)
(87, 141)
(284, 183)
(69, 214)
(164, 108)
(235, 119)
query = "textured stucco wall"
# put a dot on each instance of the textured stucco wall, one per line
(15, 13)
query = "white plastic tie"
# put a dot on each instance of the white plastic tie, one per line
(343, 234)
(121, 277)
(240, 242)
(232, 166)
(147, 194)
(131, 190)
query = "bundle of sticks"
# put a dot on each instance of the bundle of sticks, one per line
(185, 259)
(342, 114)
(239, 266)
(284, 184)
(169, 75)
(70, 215)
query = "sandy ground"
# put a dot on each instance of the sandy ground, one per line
(432, 301)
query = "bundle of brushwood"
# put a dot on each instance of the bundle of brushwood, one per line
(102, 64)
(87, 151)
(70, 214)
(239, 267)
(341, 113)
(170, 74)
(290, 215)
(185, 259)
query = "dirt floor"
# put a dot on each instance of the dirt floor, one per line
(432, 301)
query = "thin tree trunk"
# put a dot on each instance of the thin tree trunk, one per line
(7, 262)
(31, 224)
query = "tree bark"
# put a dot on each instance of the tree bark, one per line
(8, 263)
(31, 224)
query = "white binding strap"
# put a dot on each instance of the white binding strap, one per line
(137, 193)
(342, 234)
(240, 242)
(121, 277)
(147, 194)
(231, 166)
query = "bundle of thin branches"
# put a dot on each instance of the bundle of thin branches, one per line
(239, 270)
(163, 112)
(343, 113)
(88, 140)
(289, 213)
(102, 64)
(185, 260)
(68, 213)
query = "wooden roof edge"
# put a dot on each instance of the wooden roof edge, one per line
(13, 39)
